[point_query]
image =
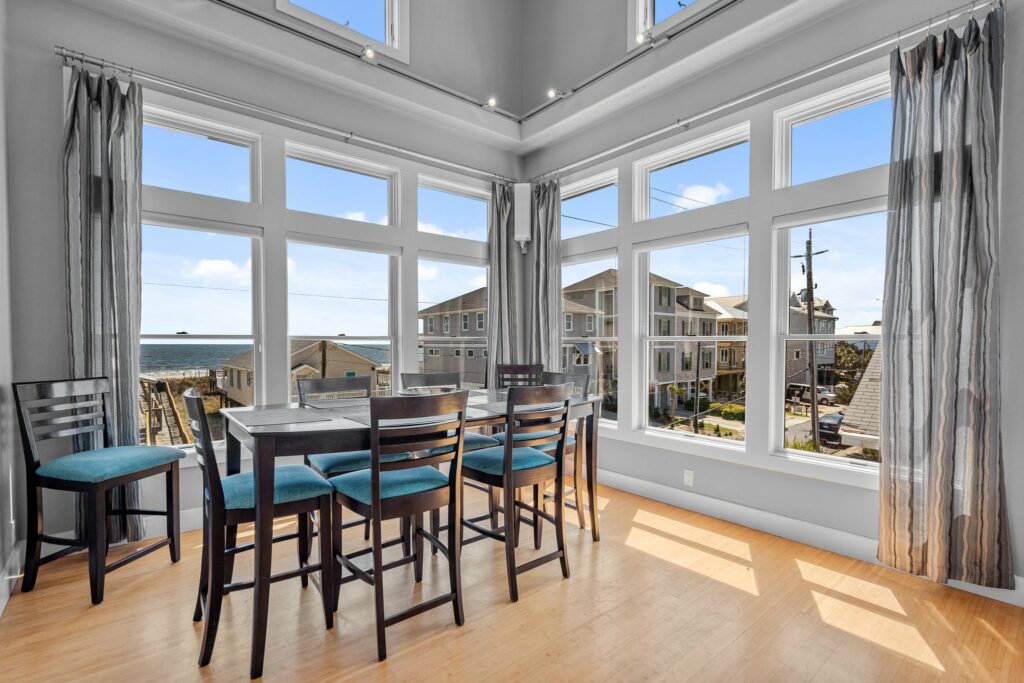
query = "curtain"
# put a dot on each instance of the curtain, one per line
(943, 501)
(502, 281)
(102, 181)
(544, 266)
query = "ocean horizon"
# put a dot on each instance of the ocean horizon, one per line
(181, 358)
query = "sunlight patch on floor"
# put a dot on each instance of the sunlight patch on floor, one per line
(694, 534)
(875, 628)
(862, 590)
(715, 567)
(998, 636)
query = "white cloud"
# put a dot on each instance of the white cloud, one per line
(712, 289)
(354, 216)
(696, 196)
(219, 271)
(431, 228)
(478, 282)
(427, 272)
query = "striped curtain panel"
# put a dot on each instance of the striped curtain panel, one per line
(943, 499)
(502, 281)
(102, 183)
(544, 266)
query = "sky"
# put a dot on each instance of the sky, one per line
(200, 282)
(365, 16)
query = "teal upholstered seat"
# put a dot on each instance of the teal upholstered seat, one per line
(340, 463)
(570, 440)
(393, 484)
(470, 442)
(492, 460)
(101, 464)
(291, 483)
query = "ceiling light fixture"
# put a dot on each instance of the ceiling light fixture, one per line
(368, 53)
(491, 103)
(642, 38)
(555, 94)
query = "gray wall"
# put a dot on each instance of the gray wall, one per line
(9, 469)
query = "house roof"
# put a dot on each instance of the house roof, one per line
(305, 352)
(475, 300)
(570, 306)
(725, 309)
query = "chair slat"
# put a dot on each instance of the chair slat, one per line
(68, 419)
(62, 433)
(41, 411)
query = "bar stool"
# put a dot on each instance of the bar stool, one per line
(230, 501)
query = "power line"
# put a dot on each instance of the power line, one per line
(681, 196)
(587, 220)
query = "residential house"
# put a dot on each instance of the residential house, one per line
(454, 337)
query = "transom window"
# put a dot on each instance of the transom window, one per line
(382, 24)
(590, 209)
(194, 161)
(449, 213)
(320, 188)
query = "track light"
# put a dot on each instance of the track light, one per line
(491, 103)
(368, 53)
(642, 38)
(554, 94)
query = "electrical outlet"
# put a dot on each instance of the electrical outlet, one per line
(688, 478)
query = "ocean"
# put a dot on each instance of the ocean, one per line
(176, 358)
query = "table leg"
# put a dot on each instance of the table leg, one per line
(234, 463)
(592, 421)
(265, 450)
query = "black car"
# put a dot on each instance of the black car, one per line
(828, 427)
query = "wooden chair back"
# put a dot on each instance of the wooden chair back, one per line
(62, 409)
(404, 424)
(515, 375)
(432, 379)
(579, 381)
(541, 411)
(203, 442)
(313, 388)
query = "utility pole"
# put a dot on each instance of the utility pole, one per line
(696, 398)
(808, 268)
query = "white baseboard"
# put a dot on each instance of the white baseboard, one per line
(835, 540)
(11, 572)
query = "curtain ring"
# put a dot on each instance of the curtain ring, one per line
(898, 39)
(947, 21)
(972, 8)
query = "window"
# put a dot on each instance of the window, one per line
(664, 327)
(430, 324)
(316, 187)
(197, 162)
(591, 288)
(383, 24)
(338, 314)
(842, 142)
(839, 358)
(706, 400)
(455, 215)
(568, 322)
(664, 296)
(590, 211)
(656, 17)
(196, 326)
(708, 171)
(454, 289)
(470, 353)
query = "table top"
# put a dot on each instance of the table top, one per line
(483, 406)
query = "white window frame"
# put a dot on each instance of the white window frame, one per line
(396, 45)
(567, 322)
(590, 322)
(591, 183)
(642, 168)
(842, 99)
(465, 322)
(468, 189)
(480, 317)
(641, 19)
(430, 324)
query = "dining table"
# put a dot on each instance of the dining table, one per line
(336, 425)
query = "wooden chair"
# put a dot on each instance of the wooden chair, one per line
(333, 464)
(404, 488)
(516, 375)
(230, 501)
(80, 409)
(473, 441)
(537, 416)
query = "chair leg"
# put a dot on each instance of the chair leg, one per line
(455, 553)
(510, 543)
(417, 546)
(577, 481)
(366, 530)
(96, 533)
(109, 505)
(215, 584)
(303, 545)
(435, 528)
(204, 571)
(336, 535)
(378, 586)
(124, 515)
(173, 512)
(231, 534)
(538, 527)
(33, 546)
(560, 525)
(327, 559)
(404, 527)
(492, 505)
(517, 515)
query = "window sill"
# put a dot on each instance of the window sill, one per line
(845, 473)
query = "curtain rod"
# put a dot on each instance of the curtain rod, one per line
(894, 39)
(265, 113)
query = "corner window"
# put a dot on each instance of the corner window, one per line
(587, 209)
(591, 288)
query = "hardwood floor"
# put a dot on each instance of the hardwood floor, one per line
(667, 594)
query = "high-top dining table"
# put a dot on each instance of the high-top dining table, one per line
(337, 425)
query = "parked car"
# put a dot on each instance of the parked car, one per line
(828, 427)
(802, 393)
